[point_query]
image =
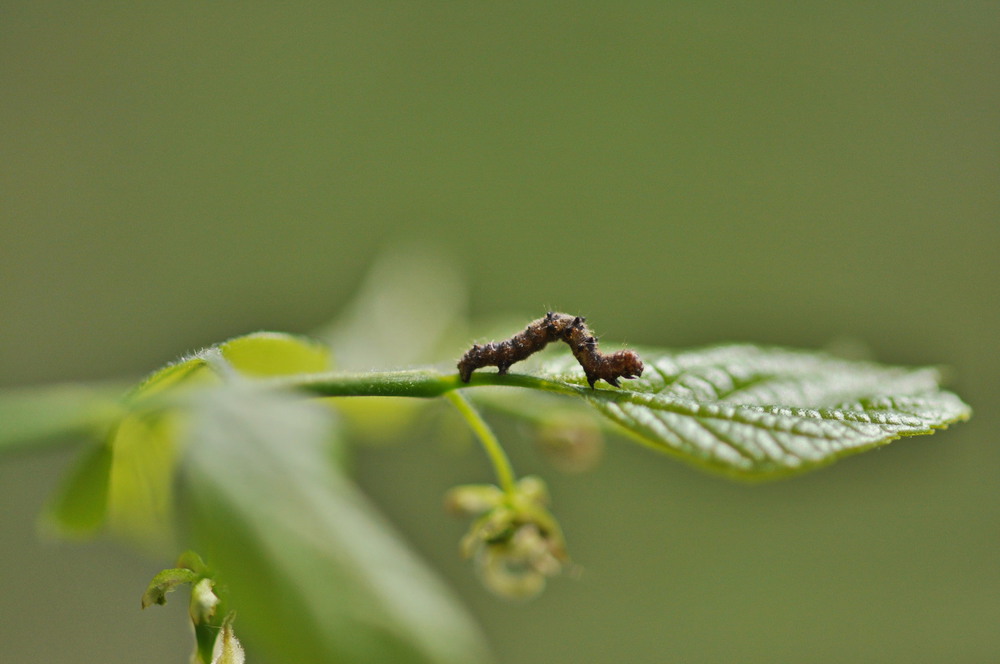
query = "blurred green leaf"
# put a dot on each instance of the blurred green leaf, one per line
(192, 561)
(760, 413)
(140, 486)
(258, 354)
(140, 500)
(275, 354)
(80, 505)
(29, 415)
(313, 571)
(410, 308)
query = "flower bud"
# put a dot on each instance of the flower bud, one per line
(472, 499)
(515, 543)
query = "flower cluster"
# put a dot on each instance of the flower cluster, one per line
(515, 543)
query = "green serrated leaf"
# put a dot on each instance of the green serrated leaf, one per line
(165, 582)
(314, 573)
(762, 413)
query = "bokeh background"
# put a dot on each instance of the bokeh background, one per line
(173, 174)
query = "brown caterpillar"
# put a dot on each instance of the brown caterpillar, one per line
(554, 327)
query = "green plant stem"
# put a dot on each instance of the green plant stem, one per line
(34, 418)
(419, 383)
(501, 464)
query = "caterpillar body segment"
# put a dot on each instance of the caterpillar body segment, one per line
(538, 334)
(502, 354)
(597, 365)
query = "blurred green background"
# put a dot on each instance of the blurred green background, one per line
(174, 174)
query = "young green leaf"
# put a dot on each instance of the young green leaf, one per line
(314, 573)
(274, 354)
(760, 413)
(165, 582)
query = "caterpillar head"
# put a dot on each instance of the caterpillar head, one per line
(628, 364)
